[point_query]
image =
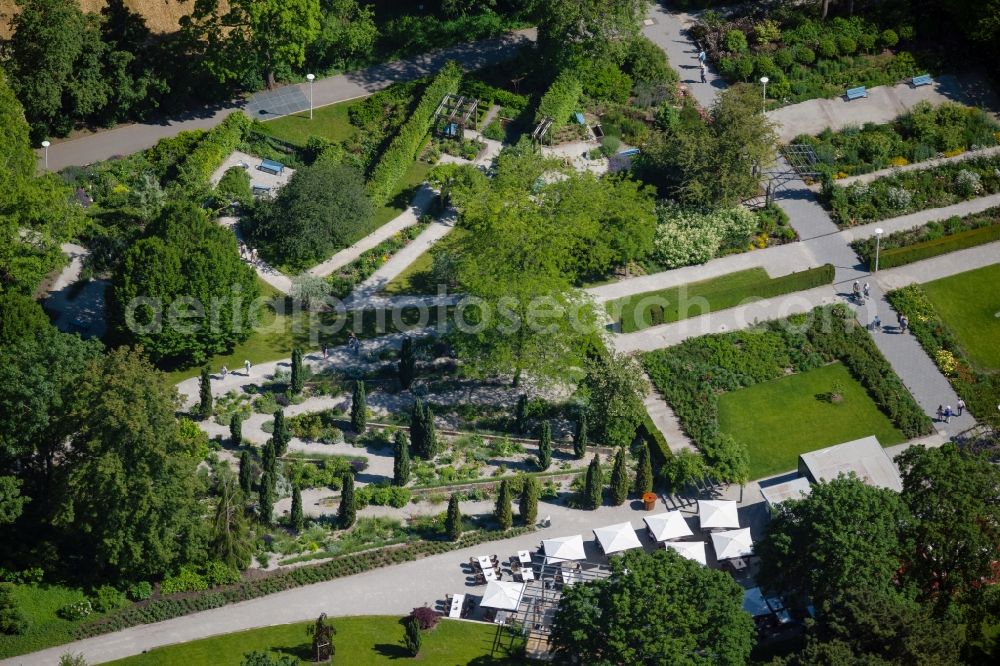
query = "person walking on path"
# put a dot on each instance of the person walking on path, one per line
(947, 414)
(246, 364)
(940, 413)
(868, 290)
(703, 79)
(903, 323)
(960, 405)
(856, 289)
(701, 57)
(224, 372)
(877, 323)
(324, 350)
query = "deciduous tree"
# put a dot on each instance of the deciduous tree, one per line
(578, 30)
(614, 389)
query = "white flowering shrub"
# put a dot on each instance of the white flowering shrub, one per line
(968, 183)
(857, 192)
(898, 197)
(686, 236)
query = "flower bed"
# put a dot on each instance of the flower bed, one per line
(692, 375)
(924, 133)
(932, 239)
(343, 281)
(911, 191)
(804, 58)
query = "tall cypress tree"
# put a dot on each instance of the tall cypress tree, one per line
(545, 447)
(205, 393)
(281, 435)
(407, 363)
(265, 503)
(269, 458)
(521, 414)
(644, 471)
(246, 472)
(401, 459)
(296, 516)
(417, 437)
(298, 380)
(430, 433)
(347, 513)
(619, 479)
(236, 429)
(529, 501)
(502, 510)
(580, 436)
(359, 407)
(453, 523)
(593, 490)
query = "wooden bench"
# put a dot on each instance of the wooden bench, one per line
(855, 93)
(922, 80)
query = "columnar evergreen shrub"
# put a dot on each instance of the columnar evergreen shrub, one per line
(347, 512)
(521, 414)
(407, 363)
(295, 517)
(528, 508)
(502, 510)
(359, 407)
(282, 435)
(545, 446)
(246, 472)
(205, 393)
(401, 459)
(643, 471)
(453, 521)
(580, 435)
(236, 429)
(619, 479)
(297, 380)
(265, 501)
(412, 637)
(593, 490)
(268, 458)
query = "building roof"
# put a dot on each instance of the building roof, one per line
(865, 457)
(779, 492)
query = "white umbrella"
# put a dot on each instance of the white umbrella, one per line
(564, 548)
(669, 525)
(693, 550)
(754, 603)
(502, 594)
(718, 513)
(732, 543)
(615, 538)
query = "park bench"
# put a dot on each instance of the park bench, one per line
(855, 93)
(272, 167)
(922, 80)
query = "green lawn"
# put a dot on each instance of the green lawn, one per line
(416, 279)
(359, 640)
(969, 303)
(39, 603)
(779, 419)
(636, 312)
(330, 122)
(400, 201)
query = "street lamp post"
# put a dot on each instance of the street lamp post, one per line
(310, 78)
(878, 245)
(764, 80)
(45, 145)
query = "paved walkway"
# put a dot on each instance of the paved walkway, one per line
(668, 30)
(77, 308)
(916, 166)
(883, 104)
(665, 420)
(267, 105)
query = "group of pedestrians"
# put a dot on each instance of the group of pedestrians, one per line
(945, 413)
(248, 254)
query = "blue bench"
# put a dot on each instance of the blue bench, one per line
(579, 118)
(922, 80)
(272, 167)
(856, 93)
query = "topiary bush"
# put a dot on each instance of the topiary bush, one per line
(560, 100)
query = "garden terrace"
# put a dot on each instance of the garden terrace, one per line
(955, 321)
(931, 239)
(911, 191)
(803, 57)
(925, 132)
(696, 376)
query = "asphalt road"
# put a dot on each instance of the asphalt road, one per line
(269, 104)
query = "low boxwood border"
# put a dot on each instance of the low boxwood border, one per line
(693, 374)
(159, 610)
(932, 239)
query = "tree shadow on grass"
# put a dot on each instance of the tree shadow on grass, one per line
(392, 651)
(302, 651)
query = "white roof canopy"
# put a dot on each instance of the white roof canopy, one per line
(777, 493)
(615, 538)
(502, 594)
(669, 525)
(718, 513)
(732, 543)
(564, 548)
(754, 603)
(693, 550)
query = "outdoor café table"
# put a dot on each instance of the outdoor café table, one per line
(485, 563)
(456, 605)
(524, 557)
(527, 574)
(489, 573)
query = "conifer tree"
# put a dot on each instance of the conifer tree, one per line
(246, 472)
(236, 429)
(644, 472)
(545, 447)
(453, 523)
(265, 502)
(348, 511)
(529, 501)
(521, 414)
(298, 380)
(619, 479)
(296, 516)
(580, 436)
(401, 459)
(502, 510)
(205, 394)
(359, 407)
(417, 437)
(593, 489)
(430, 433)
(407, 363)
(281, 435)
(412, 637)
(269, 458)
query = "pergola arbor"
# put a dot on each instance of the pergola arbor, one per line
(455, 114)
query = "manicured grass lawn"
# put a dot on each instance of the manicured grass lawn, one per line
(969, 303)
(39, 603)
(330, 122)
(416, 279)
(359, 640)
(698, 298)
(779, 419)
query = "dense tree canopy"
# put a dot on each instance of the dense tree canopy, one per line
(347, 30)
(614, 390)
(323, 208)
(656, 608)
(579, 30)
(182, 291)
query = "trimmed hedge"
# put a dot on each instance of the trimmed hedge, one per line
(659, 450)
(693, 374)
(931, 240)
(560, 100)
(347, 565)
(214, 147)
(403, 149)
